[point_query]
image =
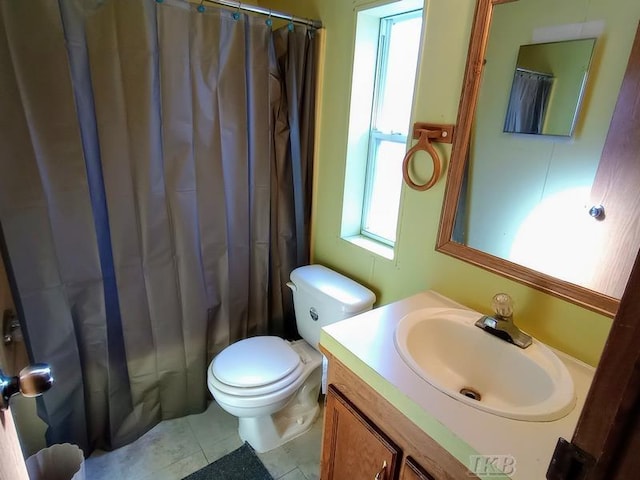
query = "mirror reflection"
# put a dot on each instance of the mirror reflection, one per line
(523, 202)
(547, 87)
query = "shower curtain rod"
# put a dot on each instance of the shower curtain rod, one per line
(263, 11)
(534, 72)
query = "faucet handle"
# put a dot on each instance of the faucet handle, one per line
(502, 304)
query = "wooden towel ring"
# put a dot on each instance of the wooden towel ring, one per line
(427, 133)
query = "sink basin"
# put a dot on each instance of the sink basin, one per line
(446, 349)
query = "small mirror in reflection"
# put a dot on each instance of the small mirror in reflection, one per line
(547, 88)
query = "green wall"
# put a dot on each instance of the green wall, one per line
(417, 266)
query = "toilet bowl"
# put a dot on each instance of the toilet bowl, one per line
(263, 420)
(271, 384)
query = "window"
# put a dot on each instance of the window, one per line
(387, 45)
(399, 42)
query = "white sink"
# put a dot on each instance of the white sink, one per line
(445, 348)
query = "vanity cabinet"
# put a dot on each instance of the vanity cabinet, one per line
(355, 448)
(412, 471)
(365, 437)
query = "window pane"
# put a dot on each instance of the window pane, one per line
(381, 216)
(394, 109)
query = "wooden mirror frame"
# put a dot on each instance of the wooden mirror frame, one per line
(582, 296)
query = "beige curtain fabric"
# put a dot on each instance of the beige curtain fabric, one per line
(154, 197)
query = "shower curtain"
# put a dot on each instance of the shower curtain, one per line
(155, 178)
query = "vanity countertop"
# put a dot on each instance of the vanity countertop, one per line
(365, 344)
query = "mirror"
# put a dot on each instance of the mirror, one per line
(547, 88)
(518, 204)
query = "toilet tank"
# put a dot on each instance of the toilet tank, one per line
(322, 296)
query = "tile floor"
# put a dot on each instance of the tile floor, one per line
(175, 448)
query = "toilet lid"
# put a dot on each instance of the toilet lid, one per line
(255, 361)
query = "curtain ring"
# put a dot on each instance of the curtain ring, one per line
(290, 26)
(236, 14)
(201, 8)
(268, 21)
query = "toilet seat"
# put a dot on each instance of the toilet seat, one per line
(240, 401)
(235, 371)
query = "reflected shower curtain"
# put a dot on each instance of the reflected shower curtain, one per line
(155, 180)
(528, 102)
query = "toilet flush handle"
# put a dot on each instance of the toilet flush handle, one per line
(292, 286)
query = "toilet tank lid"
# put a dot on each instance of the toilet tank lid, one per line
(353, 296)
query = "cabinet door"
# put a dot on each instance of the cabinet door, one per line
(412, 471)
(353, 448)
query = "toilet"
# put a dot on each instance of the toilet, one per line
(272, 385)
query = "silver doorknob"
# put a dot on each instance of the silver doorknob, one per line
(597, 212)
(32, 381)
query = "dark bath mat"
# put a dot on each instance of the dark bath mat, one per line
(241, 464)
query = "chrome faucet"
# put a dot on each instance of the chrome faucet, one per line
(501, 323)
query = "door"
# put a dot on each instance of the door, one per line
(617, 186)
(353, 447)
(412, 471)
(606, 441)
(11, 460)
